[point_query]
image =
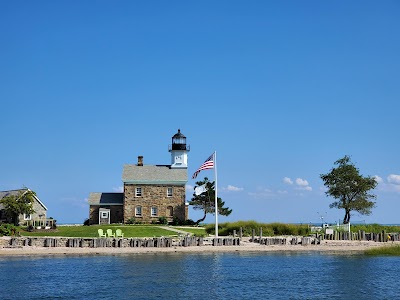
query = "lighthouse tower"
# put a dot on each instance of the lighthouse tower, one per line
(179, 150)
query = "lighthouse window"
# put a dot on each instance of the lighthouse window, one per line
(138, 192)
(169, 192)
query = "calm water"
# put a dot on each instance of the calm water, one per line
(200, 276)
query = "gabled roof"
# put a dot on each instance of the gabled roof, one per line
(153, 174)
(106, 198)
(16, 193)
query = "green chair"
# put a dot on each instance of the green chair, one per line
(101, 233)
(119, 233)
(110, 233)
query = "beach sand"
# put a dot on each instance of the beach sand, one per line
(327, 247)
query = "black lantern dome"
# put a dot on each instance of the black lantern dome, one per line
(179, 142)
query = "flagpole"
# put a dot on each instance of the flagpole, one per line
(216, 194)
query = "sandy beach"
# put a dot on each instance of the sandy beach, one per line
(327, 247)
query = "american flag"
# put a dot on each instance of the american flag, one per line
(208, 164)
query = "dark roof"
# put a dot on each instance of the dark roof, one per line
(151, 174)
(179, 134)
(15, 193)
(106, 198)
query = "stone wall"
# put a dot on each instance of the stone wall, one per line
(155, 196)
(116, 213)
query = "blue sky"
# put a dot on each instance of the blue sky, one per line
(280, 90)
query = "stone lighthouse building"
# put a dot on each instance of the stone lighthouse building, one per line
(150, 191)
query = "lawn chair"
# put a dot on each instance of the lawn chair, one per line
(119, 233)
(101, 233)
(110, 233)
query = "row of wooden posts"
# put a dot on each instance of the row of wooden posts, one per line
(159, 242)
(336, 236)
(187, 241)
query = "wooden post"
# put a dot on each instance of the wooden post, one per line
(240, 232)
(252, 235)
(234, 233)
(260, 234)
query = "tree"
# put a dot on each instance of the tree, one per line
(15, 205)
(351, 189)
(206, 200)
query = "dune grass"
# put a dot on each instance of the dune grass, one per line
(268, 229)
(384, 251)
(374, 228)
(91, 231)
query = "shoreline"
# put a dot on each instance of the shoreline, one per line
(326, 247)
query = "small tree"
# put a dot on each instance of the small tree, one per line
(351, 189)
(15, 205)
(206, 201)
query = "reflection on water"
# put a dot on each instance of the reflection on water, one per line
(195, 276)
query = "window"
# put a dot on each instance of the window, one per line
(170, 211)
(138, 192)
(27, 217)
(138, 211)
(104, 214)
(154, 211)
(169, 192)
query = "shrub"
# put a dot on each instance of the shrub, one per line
(131, 220)
(189, 222)
(85, 223)
(8, 230)
(162, 220)
(175, 221)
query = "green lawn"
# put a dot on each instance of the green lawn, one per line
(199, 231)
(91, 231)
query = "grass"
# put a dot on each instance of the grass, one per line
(374, 228)
(197, 231)
(383, 251)
(91, 231)
(268, 229)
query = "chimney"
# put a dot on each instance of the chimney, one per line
(140, 161)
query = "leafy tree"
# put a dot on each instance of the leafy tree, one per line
(351, 189)
(206, 201)
(15, 205)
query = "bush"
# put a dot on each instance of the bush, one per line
(175, 221)
(85, 223)
(8, 230)
(131, 220)
(189, 222)
(163, 220)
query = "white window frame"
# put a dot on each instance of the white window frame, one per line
(138, 211)
(138, 192)
(27, 217)
(154, 211)
(170, 191)
(104, 214)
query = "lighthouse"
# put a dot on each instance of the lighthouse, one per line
(179, 151)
